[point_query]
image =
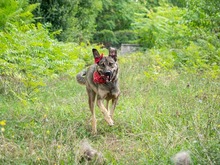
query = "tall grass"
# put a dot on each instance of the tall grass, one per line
(156, 117)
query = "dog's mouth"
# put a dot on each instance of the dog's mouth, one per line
(108, 76)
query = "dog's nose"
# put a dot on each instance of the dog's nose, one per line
(108, 73)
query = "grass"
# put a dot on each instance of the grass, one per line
(156, 117)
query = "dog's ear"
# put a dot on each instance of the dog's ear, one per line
(95, 53)
(97, 56)
(113, 53)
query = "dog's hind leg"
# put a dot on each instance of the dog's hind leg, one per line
(92, 97)
(105, 112)
(107, 105)
(115, 93)
(114, 102)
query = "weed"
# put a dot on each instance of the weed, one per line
(155, 119)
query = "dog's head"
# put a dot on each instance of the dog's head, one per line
(106, 66)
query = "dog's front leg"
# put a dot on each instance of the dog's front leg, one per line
(105, 112)
(114, 102)
(107, 105)
(92, 97)
(115, 96)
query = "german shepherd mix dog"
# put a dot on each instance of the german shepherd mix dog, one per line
(101, 80)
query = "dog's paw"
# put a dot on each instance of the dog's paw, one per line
(94, 132)
(109, 121)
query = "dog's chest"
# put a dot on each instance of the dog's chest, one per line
(109, 91)
(113, 92)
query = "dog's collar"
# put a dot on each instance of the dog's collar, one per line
(98, 78)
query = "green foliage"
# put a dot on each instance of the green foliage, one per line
(6, 9)
(107, 37)
(86, 14)
(169, 100)
(179, 3)
(126, 36)
(186, 37)
(116, 15)
(15, 12)
(162, 28)
(203, 14)
(194, 59)
(57, 13)
(116, 18)
(150, 4)
(28, 55)
(75, 19)
(177, 41)
(31, 55)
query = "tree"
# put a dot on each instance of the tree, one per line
(75, 19)
(114, 22)
(12, 11)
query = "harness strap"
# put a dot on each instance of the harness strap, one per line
(98, 79)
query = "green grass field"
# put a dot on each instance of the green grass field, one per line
(156, 117)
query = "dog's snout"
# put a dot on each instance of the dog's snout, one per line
(108, 73)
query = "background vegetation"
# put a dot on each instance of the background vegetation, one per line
(170, 89)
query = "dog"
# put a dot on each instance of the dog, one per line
(101, 81)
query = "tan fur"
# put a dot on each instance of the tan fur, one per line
(108, 91)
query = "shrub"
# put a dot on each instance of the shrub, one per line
(28, 54)
(106, 36)
(126, 36)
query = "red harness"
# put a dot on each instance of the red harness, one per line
(97, 77)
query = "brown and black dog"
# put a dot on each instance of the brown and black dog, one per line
(101, 80)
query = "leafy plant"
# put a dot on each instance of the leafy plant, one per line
(126, 36)
(29, 54)
(162, 28)
(75, 20)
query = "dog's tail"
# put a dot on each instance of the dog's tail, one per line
(81, 77)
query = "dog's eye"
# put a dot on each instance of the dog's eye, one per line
(102, 64)
(111, 63)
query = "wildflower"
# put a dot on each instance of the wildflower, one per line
(139, 150)
(45, 119)
(3, 122)
(159, 134)
(195, 141)
(2, 129)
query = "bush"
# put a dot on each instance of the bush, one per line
(177, 42)
(126, 36)
(29, 54)
(107, 37)
(162, 28)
